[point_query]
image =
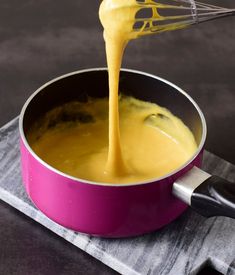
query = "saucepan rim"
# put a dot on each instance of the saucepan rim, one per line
(79, 180)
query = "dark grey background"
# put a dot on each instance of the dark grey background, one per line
(40, 40)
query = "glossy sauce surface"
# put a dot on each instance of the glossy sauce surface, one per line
(154, 142)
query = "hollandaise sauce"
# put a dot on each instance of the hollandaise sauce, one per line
(154, 142)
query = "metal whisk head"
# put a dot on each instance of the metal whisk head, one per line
(173, 14)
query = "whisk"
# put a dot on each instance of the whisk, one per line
(176, 14)
(169, 14)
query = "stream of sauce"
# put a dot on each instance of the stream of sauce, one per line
(117, 32)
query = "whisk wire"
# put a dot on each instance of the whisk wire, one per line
(195, 12)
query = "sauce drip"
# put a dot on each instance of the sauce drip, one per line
(117, 30)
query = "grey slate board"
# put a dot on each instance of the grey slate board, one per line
(182, 247)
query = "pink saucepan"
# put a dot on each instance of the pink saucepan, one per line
(120, 210)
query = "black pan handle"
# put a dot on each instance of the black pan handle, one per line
(208, 195)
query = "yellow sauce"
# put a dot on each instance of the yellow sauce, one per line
(146, 143)
(117, 30)
(152, 145)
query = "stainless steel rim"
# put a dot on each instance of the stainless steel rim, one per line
(200, 147)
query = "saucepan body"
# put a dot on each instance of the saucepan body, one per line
(108, 210)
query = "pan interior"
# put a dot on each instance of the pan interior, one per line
(79, 87)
